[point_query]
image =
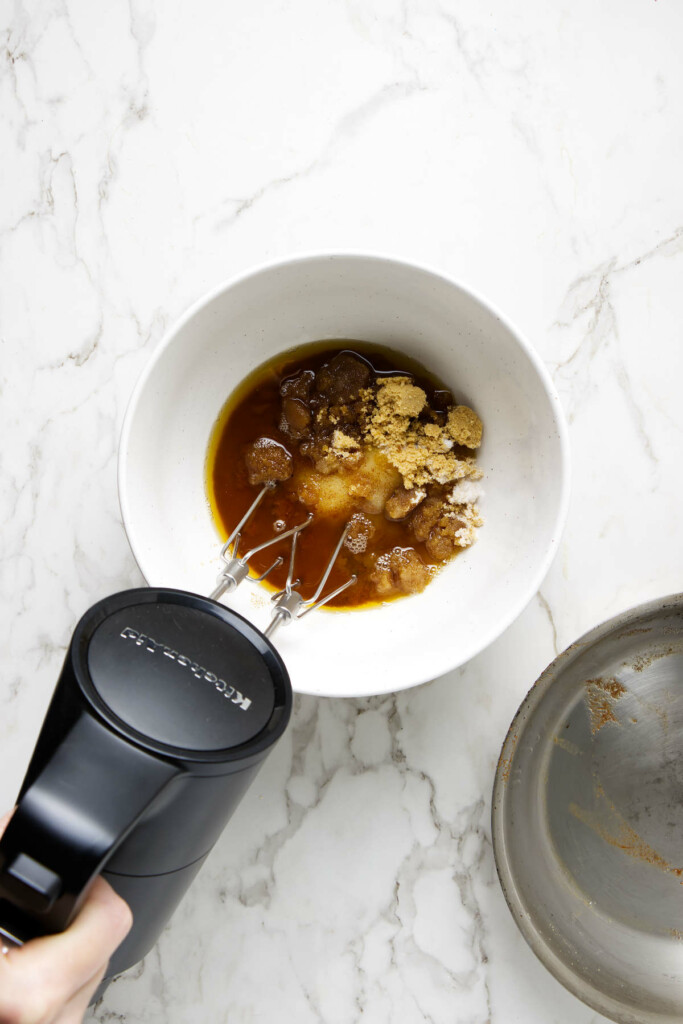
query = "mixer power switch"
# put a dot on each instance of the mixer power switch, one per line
(36, 885)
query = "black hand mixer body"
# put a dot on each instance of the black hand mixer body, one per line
(166, 707)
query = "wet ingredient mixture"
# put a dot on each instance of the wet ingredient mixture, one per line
(352, 434)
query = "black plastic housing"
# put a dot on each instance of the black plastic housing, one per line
(165, 709)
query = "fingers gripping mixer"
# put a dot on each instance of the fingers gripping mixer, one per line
(166, 707)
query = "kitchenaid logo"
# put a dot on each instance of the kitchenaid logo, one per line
(155, 647)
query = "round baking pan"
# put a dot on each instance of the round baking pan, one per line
(588, 816)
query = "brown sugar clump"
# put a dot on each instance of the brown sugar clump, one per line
(396, 396)
(464, 426)
(444, 526)
(425, 517)
(345, 447)
(455, 529)
(298, 385)
(341, 380)
(335, 452)
(401, 571)
(268, 460)
(295, 418)
(295, 414)
(421, 452)
(401, 503)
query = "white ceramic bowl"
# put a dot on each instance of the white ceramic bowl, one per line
(457, 336)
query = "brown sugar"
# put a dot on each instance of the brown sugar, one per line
(420, 451)
(454, 529)
(397, 396)
(464, 426)
(402, 502)
(400, 569)
(267, 460)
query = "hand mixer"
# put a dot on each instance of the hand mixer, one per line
(167, 705)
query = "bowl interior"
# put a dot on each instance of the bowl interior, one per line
(523, 456)
(588, 816)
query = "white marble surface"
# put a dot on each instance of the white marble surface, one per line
(149, 151)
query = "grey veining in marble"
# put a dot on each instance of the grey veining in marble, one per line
(151, 150)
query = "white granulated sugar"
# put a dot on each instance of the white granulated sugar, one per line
(465, 492)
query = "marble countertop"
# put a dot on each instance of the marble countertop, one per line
(150, 151)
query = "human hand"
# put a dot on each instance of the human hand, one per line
(51, 980)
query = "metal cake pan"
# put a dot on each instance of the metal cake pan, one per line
(588, 816)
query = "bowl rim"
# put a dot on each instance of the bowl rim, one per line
(521, 912)
(516, 608)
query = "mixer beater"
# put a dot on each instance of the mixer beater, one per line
(288, 603)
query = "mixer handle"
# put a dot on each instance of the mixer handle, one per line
(69, 821)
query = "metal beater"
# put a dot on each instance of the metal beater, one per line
(289, 603)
